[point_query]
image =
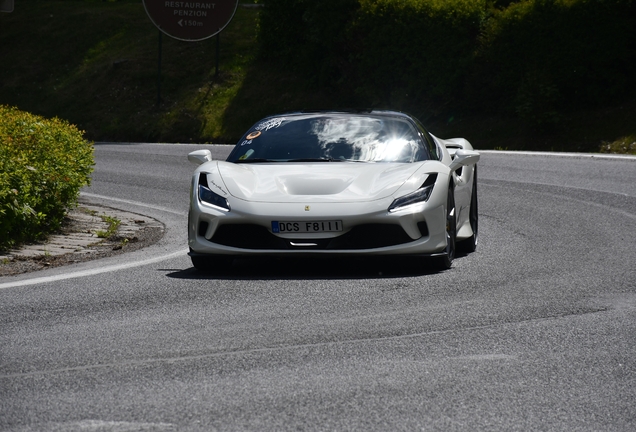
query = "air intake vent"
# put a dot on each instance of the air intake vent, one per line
(203, 228)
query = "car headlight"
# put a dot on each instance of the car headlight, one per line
(420, 195)
(208, 197)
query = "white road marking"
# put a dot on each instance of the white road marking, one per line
(135, 203)
(556, 154)
(99, 270)
(91, 272)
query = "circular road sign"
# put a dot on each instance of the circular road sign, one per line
(191, 20)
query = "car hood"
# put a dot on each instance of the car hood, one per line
(320, 182)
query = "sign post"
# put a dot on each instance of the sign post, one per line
(189, 20)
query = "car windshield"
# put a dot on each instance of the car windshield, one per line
(330, 138)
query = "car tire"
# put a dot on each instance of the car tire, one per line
(445, 262)
(470, 244)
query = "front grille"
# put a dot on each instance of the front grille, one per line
(369, 236)
(246, 236)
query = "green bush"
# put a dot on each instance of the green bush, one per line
(624, 145)
(43, 165)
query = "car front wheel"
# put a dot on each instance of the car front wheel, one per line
(470, 244)
(446, 261)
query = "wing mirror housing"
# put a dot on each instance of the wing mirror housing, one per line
(200, 157)
(464, 158)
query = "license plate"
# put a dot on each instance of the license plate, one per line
(280, 227)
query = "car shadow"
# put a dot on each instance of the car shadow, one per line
(266, 268)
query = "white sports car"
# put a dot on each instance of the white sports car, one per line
(335, 183)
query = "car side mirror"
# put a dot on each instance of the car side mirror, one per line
(464, 158)
(200, 157)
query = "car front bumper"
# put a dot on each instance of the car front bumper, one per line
(369, 229)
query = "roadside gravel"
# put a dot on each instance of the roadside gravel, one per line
(82, 238)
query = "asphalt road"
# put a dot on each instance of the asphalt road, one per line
(534, 331)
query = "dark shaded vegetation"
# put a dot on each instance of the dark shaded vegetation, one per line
(532, 74)
(96, 64)
(521, 74)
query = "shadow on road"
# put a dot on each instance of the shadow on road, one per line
(266, 268)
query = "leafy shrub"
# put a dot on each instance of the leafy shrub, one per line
(624, 145)
(43, 165)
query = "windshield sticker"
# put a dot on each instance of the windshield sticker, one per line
(247, 154)
(270, 124)
(253, 135)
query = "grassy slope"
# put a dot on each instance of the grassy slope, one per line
(94, 63)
